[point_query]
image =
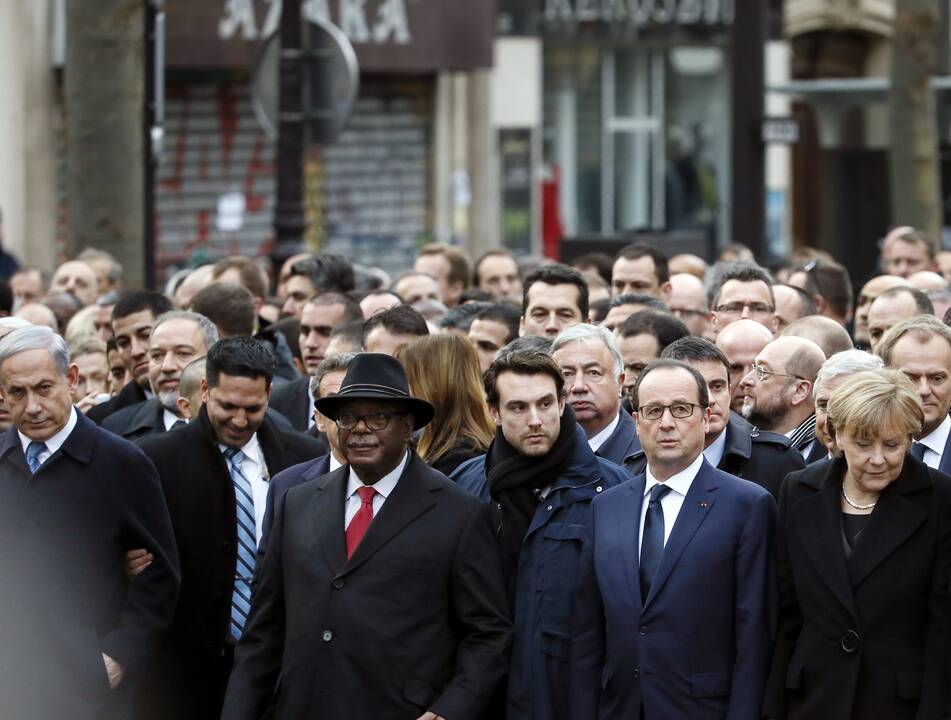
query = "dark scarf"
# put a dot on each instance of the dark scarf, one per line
(514, 480)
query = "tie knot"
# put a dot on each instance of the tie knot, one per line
(234, 455)
(35, 449)
(366, 494)
(658, 492)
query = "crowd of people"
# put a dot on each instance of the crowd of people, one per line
(631, 487)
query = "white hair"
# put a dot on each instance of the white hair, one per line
(583, 332)
(36, 337)
(847, 362)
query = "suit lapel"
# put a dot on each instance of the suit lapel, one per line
(410, 498)
(328, 515)
(272, 445)
(817, 520)
(945, 464)
(696, 507)
(894, 519)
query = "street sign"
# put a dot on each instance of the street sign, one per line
(331, 82)
(781, 130)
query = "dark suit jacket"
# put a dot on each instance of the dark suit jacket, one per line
(131, 394)
(866, 636)
(136, 421)
(761, 457)
(817, 453)
(416, 620)
(699, 647)
(622, 442)
(281, 483)
(292, 399)
(194, 661)
(945, 464)
(64, 598)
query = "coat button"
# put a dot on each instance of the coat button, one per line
(338, 583)
(328, 636)
(643, 630)
(851, 641)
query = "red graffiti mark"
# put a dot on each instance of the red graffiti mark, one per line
(174, 181)
(202, 231)
(227, 121)
(257, 166)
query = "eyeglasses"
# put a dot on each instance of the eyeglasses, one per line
(760, 373)
(678, 410)
(736, 308)
(374, 421)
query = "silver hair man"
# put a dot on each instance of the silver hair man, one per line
(583, 332)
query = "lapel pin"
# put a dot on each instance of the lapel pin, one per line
(704, 505)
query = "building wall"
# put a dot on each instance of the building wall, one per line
(27, 140)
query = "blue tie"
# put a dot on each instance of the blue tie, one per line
(918, 451)
(247, 544)
(652, 543)
(33, 452)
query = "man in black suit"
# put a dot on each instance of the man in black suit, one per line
(731, 444)
(319, 316)
(177, 338)
(380, 595)
(215, 474)
(326, 381)
(74, 633)
(132, 319)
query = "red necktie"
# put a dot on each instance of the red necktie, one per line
(361, 521)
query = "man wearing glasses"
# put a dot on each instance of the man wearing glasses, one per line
(742, 290)
(380, 594)
(686, 589)
(777, 393)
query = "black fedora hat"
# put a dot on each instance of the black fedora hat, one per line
(375, 376)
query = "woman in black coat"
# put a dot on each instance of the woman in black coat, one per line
(865, 563)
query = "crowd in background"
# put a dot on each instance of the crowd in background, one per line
(644, 486)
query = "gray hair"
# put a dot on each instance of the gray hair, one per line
(209, 331)
(583, 332)
(847, 362)
(331, 363)
(36, 337)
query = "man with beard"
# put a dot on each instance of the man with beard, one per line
(541, 475)
(921, 348)
(777, 393)
(730, 444)
(178, 337)
(594, 374)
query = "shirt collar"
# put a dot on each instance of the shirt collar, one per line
(169, 419)
(55, 442)
(714, 452)
(334, 463)
(804, 434)
(384, 486)
(680, 482)
(251, 450)
(937, 438)
(598, 440)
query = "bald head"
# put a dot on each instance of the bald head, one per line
(688, 264)
(798, 355)
(893, 306)
(688, 301)
(741, 342)
(927, 280)
(871, 290)
(824, 332)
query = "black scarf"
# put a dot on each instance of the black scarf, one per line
(515, 479)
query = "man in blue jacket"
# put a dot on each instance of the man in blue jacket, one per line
(680, 576)
(541, 476)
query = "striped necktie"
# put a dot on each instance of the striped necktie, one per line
(247, 544)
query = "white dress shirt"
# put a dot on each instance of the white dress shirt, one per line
(334, 464)
(714, 453)
(55, 442)
(384, 487)
(254, 469)
(671, 503)
(934, 443)
(310, 416)
(598, 440)
(169, 419)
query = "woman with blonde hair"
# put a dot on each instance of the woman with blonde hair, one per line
(864, 558)
(444, 370)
